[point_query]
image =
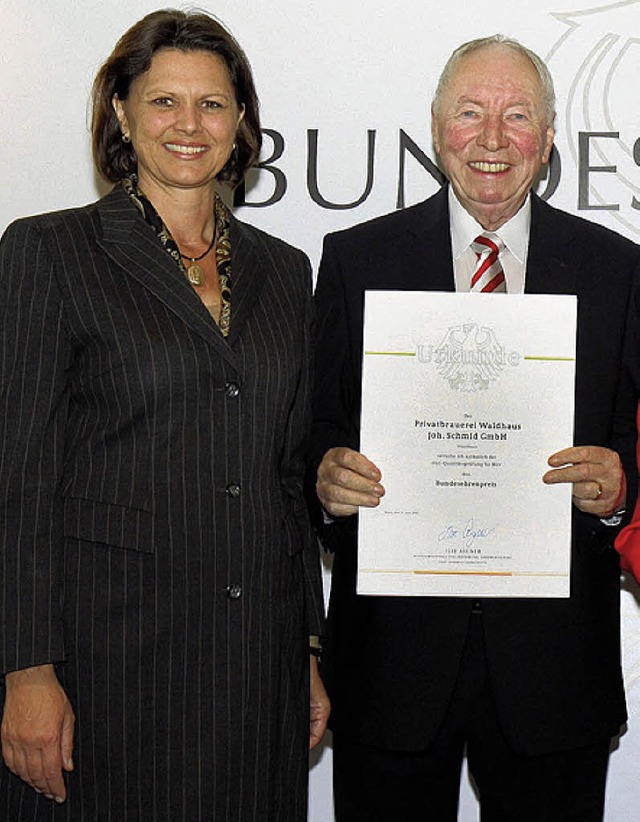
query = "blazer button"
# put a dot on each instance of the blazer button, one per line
(233, 491)
(234, 591)
(231, 389)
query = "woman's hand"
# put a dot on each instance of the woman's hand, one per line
(320, 706)
(37, 730)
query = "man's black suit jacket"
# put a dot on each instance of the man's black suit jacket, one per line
(391, 663)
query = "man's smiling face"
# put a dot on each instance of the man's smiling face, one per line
(491, 132)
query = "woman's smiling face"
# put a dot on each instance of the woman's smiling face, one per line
(182, 117)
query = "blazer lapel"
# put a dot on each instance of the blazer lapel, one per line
(249, 258)
(133, 246)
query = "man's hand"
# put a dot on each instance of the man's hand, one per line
(599, 484)
(37, 730)
(319, 706)
(347, 480)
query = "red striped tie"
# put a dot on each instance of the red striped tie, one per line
(488, 276)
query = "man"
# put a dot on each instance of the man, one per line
(531, 688)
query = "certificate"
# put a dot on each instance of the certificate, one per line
(464, 398)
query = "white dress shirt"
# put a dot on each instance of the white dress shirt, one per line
(514, 234)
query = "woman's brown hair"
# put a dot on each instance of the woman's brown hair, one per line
(170, 29)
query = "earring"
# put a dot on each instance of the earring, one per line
(125, 138)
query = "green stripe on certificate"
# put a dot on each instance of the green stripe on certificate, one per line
(552, 359)
(390, 353)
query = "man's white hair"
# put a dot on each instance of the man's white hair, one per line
(544, 75)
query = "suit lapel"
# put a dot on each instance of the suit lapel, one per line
(550, 269)
(437, 238)
(133, 246)
(424, 251)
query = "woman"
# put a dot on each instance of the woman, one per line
(160, 579)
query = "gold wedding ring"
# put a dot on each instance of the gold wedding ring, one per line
(598, 490)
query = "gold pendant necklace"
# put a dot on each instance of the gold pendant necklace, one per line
(195, 274)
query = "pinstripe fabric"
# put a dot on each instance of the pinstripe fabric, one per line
(153, 537)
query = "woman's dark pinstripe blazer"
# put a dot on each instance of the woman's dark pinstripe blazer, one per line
(153, 537)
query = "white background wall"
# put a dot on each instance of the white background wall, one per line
(344, 67)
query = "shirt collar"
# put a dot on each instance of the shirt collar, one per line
(464, 229)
